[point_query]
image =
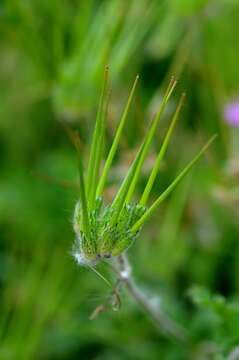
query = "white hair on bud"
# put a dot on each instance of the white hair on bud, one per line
(81, 260)
(78, 257)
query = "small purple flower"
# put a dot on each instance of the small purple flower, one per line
(231, 113)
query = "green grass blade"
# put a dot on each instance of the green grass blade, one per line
(149, 138)
(171, 187)
(161, 153)
(95, 152)
(114, 146)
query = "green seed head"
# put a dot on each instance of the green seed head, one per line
(105, 240)
(107, 231)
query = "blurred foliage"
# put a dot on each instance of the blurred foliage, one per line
(217, 318)
(52, 54)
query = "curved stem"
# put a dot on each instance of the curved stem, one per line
(234, 355)
(161, 320)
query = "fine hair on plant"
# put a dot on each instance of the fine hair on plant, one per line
(107, 231)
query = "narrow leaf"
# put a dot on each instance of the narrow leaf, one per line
(161, 154)
(95, 152)
(171, 187)
(149, 137)
(114, 146)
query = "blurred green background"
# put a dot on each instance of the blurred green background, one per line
(52, 56)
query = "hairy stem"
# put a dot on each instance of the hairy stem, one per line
(160, 320)
(234, 355)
